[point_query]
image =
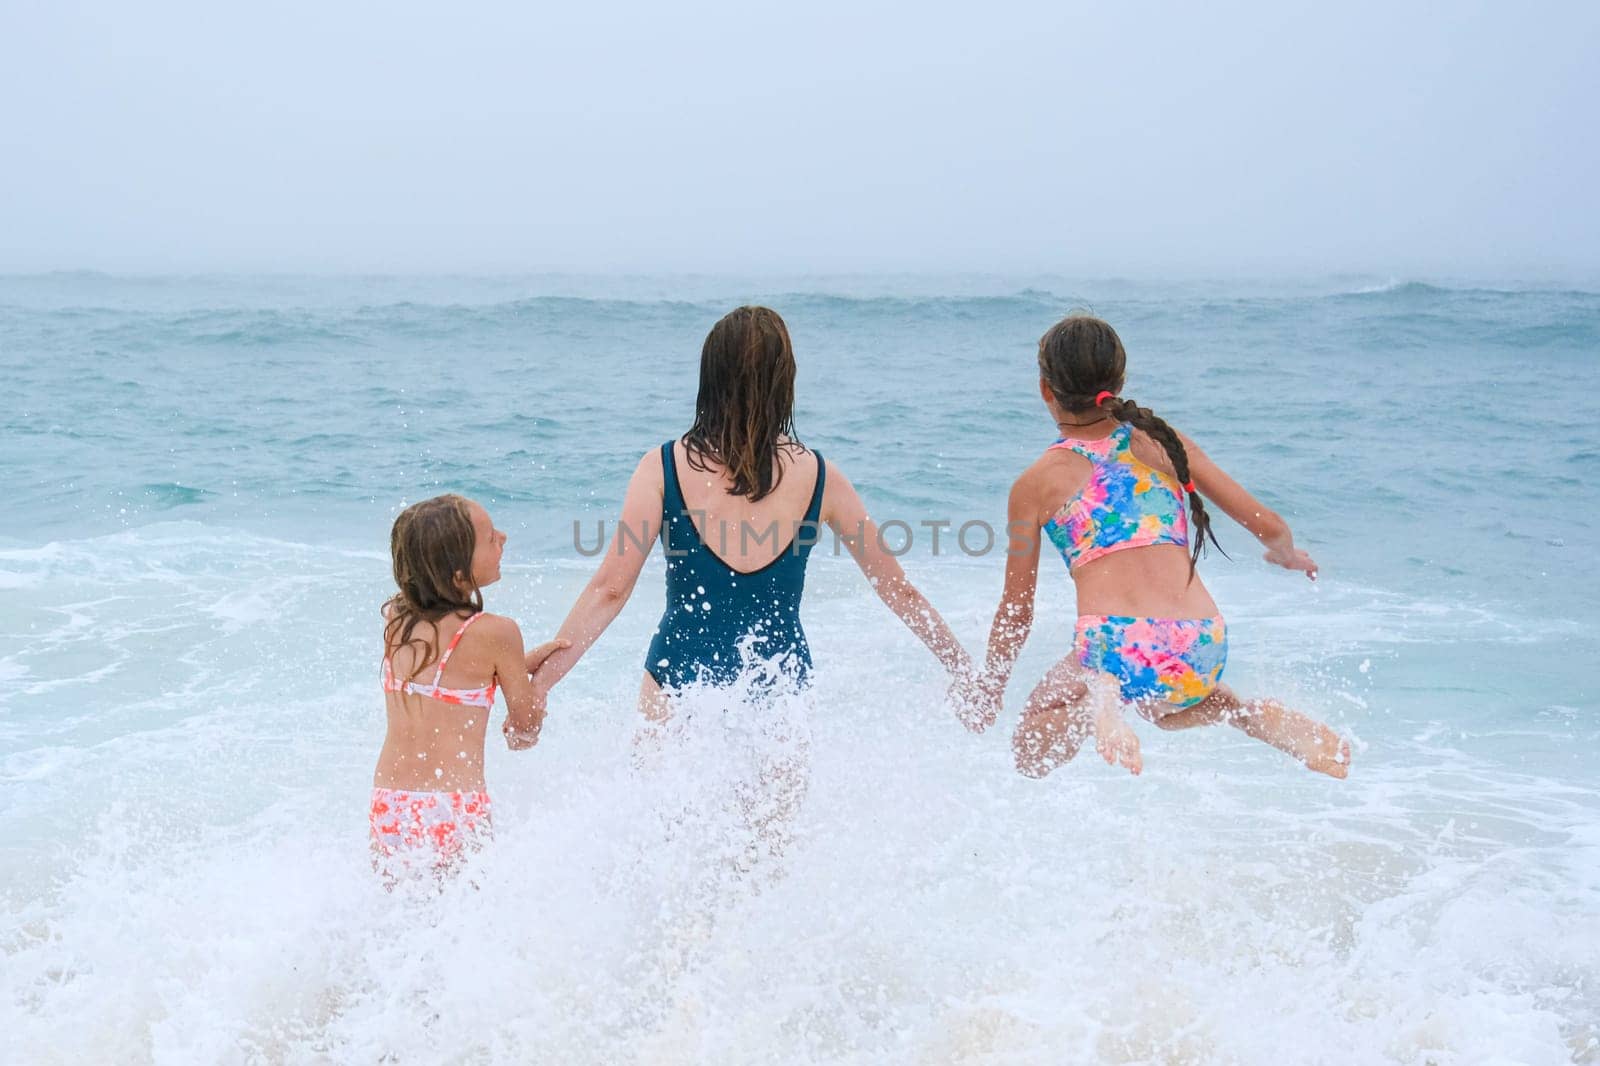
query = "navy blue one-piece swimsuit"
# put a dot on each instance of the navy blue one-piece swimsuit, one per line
(712, 609)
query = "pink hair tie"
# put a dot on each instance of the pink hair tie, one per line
(1103, 397)
(1188, 486)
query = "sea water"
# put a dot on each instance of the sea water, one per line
(198, 475)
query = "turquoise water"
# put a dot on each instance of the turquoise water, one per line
(199, 476)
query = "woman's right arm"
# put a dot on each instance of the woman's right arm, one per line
(603, 598)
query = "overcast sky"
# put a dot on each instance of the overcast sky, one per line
(1114, 138)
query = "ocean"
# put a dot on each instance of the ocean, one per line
(198, 476)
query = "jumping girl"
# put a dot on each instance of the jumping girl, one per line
(1110, 494)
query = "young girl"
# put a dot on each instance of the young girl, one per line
(443, 659)
(1110, 495)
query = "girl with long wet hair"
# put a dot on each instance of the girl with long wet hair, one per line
(444, 659)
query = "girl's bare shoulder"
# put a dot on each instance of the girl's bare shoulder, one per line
(495, 629)
(1052, 478)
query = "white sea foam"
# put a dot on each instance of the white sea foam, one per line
(186, 874)
(932, 907)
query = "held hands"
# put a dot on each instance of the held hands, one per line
(522, 735)
(522, 732)
(537, 656)
(964, 693)
(1292, 559)
(977, 704)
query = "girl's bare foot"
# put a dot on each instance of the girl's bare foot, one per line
(1116, 741)
(1293, 733)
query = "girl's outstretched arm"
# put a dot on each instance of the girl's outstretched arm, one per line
(847, 516)
(1236, 501)
(1013, 619)
(603, 598)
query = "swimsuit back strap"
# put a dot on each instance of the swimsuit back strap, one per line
(671, 497)
(1112, 447)
(814, 509)
(439, 673)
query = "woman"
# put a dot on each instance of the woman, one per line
(737, 503)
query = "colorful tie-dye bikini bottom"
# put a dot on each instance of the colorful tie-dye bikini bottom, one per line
(1177, 661)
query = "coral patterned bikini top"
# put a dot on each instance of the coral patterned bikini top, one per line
(1127, 503)
(466, 697)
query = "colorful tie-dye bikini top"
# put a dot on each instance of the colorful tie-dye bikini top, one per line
(1126, 504)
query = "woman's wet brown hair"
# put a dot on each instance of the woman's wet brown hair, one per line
(432, 543)
(744, 415)
(1080, 357)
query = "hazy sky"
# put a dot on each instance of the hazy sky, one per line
(1116, 138)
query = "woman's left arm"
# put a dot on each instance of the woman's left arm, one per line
(846, 515)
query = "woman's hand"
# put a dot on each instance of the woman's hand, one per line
(537, 656)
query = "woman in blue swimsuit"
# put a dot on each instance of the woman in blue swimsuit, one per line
(737, 503)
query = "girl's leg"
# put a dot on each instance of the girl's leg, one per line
(1295, 734)
(1055, 721)
(1062, 711)
(1208, 711)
